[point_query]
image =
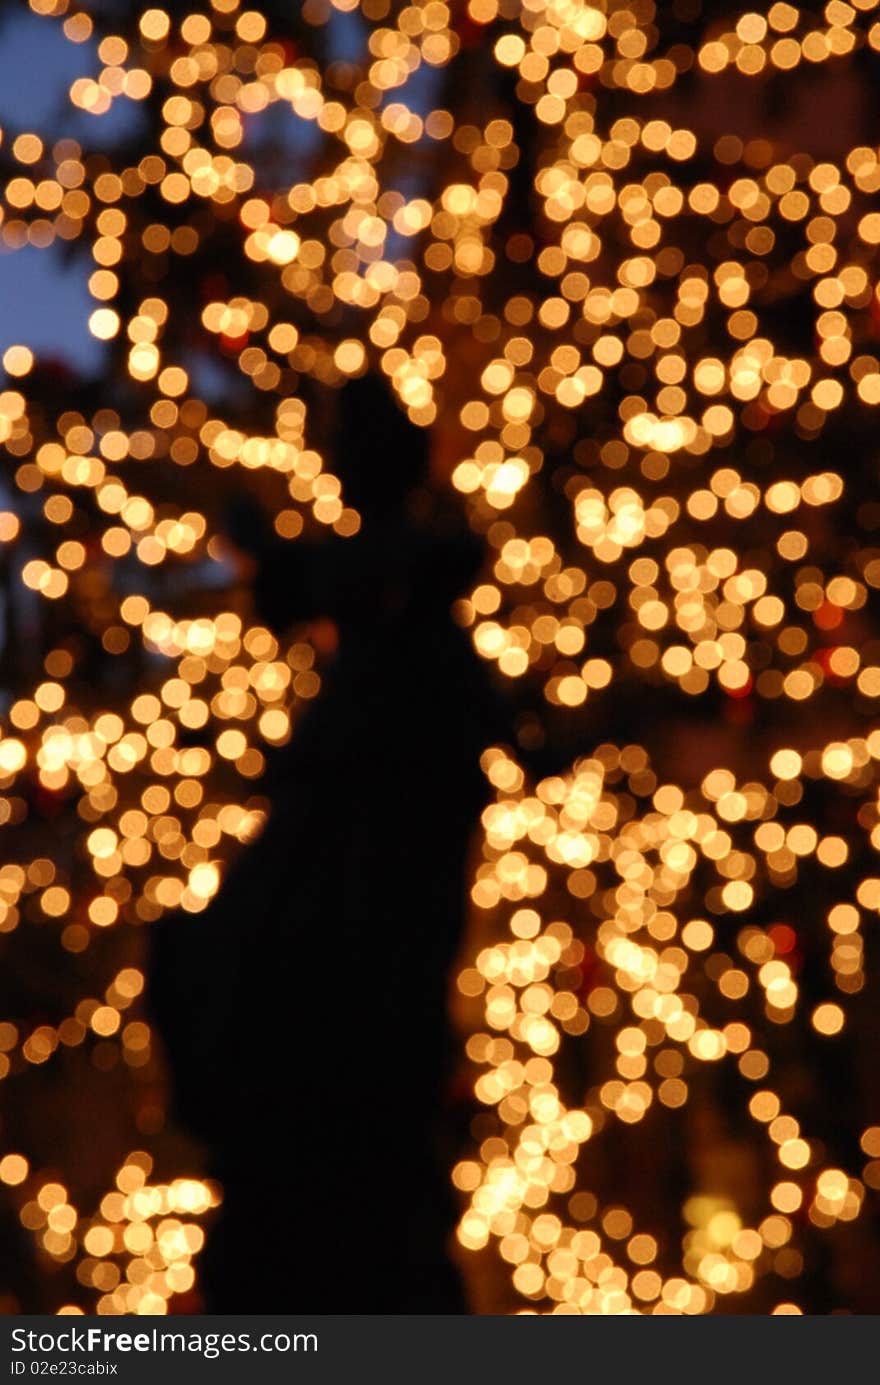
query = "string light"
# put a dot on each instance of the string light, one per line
(598, 301)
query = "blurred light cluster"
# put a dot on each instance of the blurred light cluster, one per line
(651, 350)
(136, 1252)
(597, 875)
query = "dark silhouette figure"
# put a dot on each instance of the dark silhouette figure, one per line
(305, 1011)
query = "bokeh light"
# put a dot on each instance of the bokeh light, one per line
(646, 341)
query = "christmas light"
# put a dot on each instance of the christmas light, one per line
(648, 346)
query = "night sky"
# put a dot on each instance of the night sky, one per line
(44, 301)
